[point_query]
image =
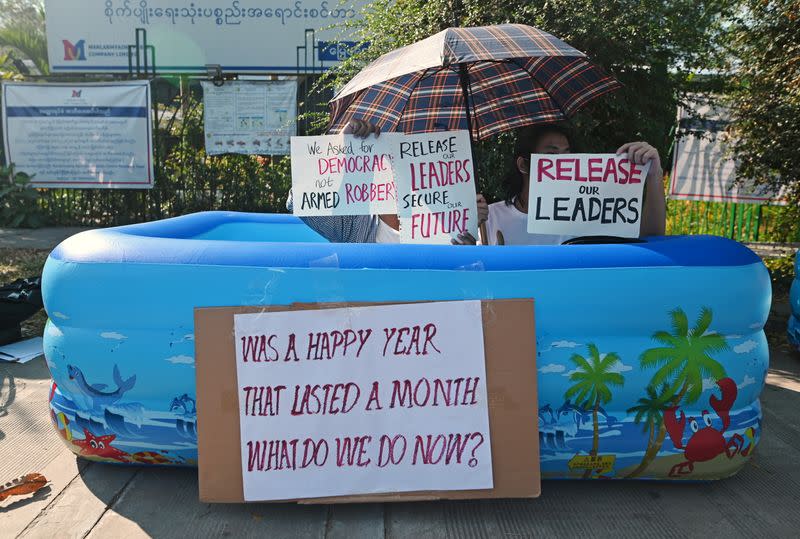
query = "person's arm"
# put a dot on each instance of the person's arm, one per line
(341, 228)
(654, 211)
(345, 228)
(465, 238)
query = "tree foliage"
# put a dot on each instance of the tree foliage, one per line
(651, 46)
(22, 33)
(765, 96)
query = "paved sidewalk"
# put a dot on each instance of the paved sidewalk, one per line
(99, 500)
(36, 238)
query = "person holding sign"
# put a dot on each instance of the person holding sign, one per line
(383, 228)
(508, 219)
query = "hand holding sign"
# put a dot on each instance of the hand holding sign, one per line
(587, 194)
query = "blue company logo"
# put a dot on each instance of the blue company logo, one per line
(335, 51)
(74, 51)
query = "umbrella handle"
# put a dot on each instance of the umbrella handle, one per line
(483, 233)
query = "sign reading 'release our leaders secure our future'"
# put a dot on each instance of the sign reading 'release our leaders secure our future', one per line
(362, 400)
(436, 186)
(80, 135)
(586, 195)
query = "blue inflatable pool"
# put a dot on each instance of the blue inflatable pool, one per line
(794, 302)
(684, 315)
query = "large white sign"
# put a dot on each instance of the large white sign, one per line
(343, 175)
(702, 168)
(585, 195)
(249, 117)
(251, 36)
(436, 186)
(80, 135)
(363, 400)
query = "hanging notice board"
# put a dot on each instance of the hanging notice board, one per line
(343, 416)
(80, 135)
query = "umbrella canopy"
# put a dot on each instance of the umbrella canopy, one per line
(512, 75)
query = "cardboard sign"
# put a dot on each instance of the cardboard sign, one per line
(343, 175)
(585, 195)
(363, 400)
(436, 187)
(506, 463)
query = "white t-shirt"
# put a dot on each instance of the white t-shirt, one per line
(514, 226)
(386, 234)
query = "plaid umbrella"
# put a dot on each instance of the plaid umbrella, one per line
(511, 75)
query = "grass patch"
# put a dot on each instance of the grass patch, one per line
(19, 263)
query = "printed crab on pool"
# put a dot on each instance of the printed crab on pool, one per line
(670, 331)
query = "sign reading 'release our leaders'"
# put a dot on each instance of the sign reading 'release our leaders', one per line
(80, 135)
(363, 400)
(343, 175)
(436, 186)
(585, 195)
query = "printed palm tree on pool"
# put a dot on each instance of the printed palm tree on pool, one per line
(682, 362)
(593, 376)
(650, 412)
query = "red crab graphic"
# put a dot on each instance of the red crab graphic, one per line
(100, 446)
(705, 443)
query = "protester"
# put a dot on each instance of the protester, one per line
(508, 219)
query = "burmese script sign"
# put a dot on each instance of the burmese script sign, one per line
(343, 175)
(585, 195)
(80, 135)
(99, 36)
(363, 400)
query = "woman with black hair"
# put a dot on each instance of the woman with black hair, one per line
(508, 219)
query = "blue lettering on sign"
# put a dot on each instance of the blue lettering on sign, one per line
(335, 51)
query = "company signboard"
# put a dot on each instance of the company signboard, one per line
(93, 36)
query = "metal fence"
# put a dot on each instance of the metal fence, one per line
(742, 222)
(185, 178)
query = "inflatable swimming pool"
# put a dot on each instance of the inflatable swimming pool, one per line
(794, 302)
(684, 316)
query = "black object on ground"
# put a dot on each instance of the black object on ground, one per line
(19, 301)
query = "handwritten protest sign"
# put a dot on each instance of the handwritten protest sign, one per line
(342, 175)
(585, 195)
(362, 400)
(435, 186)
